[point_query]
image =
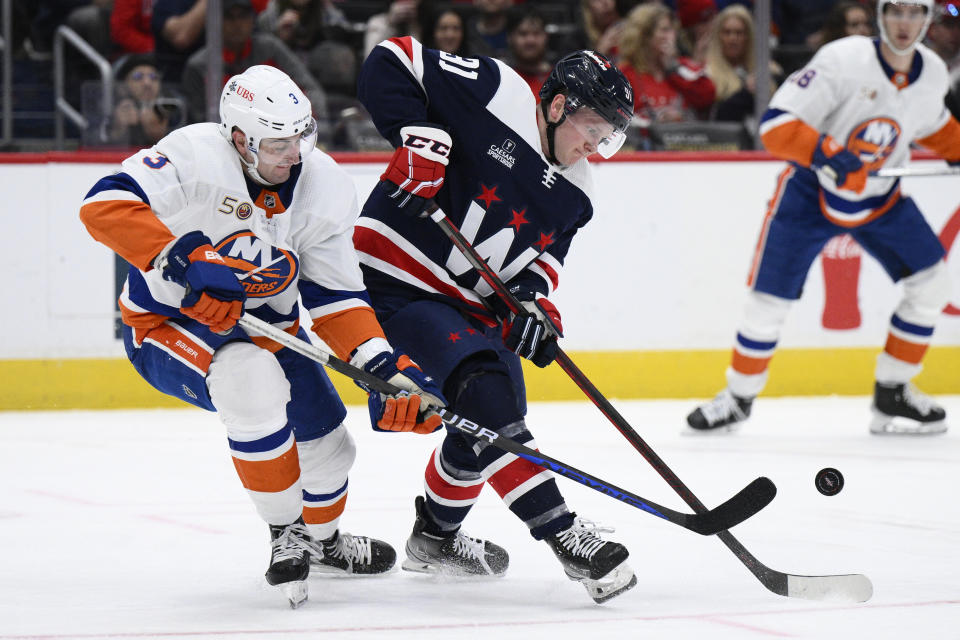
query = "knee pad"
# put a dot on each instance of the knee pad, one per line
(481, 389)
(325, 462)
(925, 294)
(249, 390)
(763, 316)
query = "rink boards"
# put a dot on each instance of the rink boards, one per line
(650, 294)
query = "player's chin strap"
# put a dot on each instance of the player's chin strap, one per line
(551, 132)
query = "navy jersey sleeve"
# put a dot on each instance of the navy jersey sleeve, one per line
(401, 82)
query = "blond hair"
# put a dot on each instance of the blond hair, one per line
(724, 75)
(638, 28)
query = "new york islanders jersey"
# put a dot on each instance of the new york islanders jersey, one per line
(849, 92)
(518, 210)
(284, 243)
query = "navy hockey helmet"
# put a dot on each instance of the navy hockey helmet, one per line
(588, 79)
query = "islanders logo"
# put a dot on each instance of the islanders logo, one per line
(873, 141)
(263, 270)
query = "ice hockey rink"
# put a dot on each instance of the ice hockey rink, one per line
(133, 524)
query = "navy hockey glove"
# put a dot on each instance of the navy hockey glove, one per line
(844, 167)
(414, 409)
(532, 333)
(416, 170)
(214, 296)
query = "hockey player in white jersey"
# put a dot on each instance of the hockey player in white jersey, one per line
(857, 106)
(245, 214)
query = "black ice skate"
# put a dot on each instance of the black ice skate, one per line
(290, 551)
(725, 410)
(902, 409)
(594, 562)
(347, 555)
(455, 554)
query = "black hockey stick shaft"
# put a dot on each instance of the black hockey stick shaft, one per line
(853, 587)
(738, 508)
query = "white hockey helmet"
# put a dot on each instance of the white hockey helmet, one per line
(263, 102)
(928, 5)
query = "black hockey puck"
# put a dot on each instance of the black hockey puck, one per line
(829, 481)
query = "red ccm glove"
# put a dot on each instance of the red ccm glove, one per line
(416, 170)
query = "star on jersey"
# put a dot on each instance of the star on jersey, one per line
(454, 336)
(518, 219)
(546, 239)
(488, 195)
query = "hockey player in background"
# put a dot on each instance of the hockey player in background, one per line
(514, 177)
(857, 106)
(245, 214)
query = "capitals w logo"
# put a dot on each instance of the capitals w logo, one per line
(262, 269)
(495, 249)
(874, 140)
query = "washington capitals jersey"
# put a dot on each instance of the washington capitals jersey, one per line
(517, 209)
(283, 243)
(849, 92)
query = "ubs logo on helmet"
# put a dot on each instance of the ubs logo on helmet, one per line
(873, 141)
(263, 270)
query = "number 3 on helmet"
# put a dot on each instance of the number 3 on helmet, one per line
(263, 102)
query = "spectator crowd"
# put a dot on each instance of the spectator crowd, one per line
(691, 62)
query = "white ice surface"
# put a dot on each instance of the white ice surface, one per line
(133, 524)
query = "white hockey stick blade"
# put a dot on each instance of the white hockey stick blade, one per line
(904, 172)
(846, 588)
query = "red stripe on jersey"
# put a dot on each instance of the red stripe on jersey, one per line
(379, 246)
(440, 487)
(551, 273)
(405, 44)
(513, 475)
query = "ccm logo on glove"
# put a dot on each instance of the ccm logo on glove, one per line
(416, 170)
(415, 141)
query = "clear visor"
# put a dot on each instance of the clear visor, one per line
(600, 134)
(275, 150)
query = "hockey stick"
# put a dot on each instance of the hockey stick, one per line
(751, 499)
(852, 587)
(903, 172)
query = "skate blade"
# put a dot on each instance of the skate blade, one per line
(445, 571)
(726, 429)
(296, 592)
(332, 572)
(884, 425)
(619, 579)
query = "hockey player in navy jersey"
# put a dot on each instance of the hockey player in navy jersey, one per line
(857, 106)
(513, 177)
(246, 213)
